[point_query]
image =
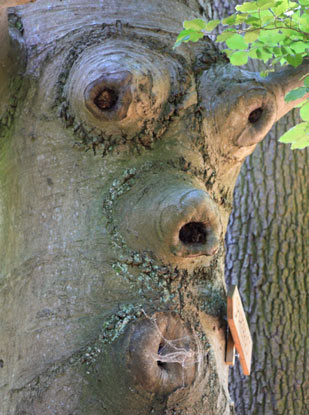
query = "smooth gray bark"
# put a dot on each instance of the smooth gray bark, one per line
(118, 162)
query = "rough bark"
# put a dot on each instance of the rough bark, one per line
(266, 256)
(118, 161)
(267, 244)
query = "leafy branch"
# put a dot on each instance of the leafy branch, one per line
(275, 32)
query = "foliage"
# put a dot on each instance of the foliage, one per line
(275, 32)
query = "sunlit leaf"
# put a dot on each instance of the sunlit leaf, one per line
(188, 35)
(304, 112)
(239, 58)
(265, 4)
(195, 24)
(247, 6)
(280, 8)
(264, 54)
(212, 25)
(272, 36)
(266, 16)
(301, 142)
(254, 21)
(224, 36)
(294, 133)
(240, 18)
(299, 46)
(230, 20)
(236, 42)
(251, 36)
(304, 23)
(252, 54)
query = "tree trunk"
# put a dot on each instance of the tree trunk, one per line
(267, 244)
(266, 256)
(118, 159)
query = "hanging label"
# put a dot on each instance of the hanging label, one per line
(239, 328)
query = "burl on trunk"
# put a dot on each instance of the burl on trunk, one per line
(118, 160)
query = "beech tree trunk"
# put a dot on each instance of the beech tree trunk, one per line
(118, 159)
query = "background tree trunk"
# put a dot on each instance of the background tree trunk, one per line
(267, 257)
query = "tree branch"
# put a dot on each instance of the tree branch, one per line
(284, 81)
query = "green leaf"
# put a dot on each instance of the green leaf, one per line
(195, 24)
(294, 60)
(240, 18)
(254, 21)
(306, 81)
(277, 51)
(188, 35)
(304, 23)
(266, 16)
(296, 94)
(304, 2)
(265, 4)
(259, 53)
(294, 133)
(212, 25)
(253, 54)
(299, 46)
(284, 50)
(230, 20)
(224, 36)
(280, 8)
(264, 53)
(251, 36)
(304, 112)
(262, 3)
(272, 37)
(236, 42)
(301, 143)
(247, 6)
(239, 58)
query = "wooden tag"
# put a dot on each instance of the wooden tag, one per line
(239, 328)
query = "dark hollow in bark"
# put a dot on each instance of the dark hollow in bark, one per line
(193, 233)
(106, 99)
(255, 115)
(109, 96)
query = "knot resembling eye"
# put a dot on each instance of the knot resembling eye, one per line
(261, 106)
(255, 115)
(109, 96)
(116, 89)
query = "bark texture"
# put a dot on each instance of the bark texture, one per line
(267, 257)
(118, 162)
(93, 305)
